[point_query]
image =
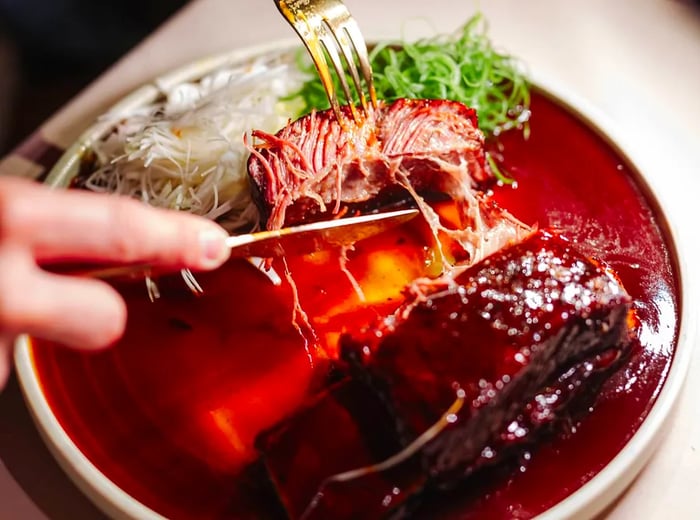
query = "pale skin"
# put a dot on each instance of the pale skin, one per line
(39, 226)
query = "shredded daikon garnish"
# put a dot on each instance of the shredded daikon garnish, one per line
(187, 152)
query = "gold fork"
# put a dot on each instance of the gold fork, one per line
(327, 24)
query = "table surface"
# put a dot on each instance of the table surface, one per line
(638, 61)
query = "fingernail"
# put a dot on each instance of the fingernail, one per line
(214, 249)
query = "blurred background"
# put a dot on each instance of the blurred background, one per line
(51, 49)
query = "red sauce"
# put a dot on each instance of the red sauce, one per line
(170, 413)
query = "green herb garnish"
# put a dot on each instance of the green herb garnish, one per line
(463, 67)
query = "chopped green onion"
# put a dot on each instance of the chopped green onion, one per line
(463, 67)
(497, 171)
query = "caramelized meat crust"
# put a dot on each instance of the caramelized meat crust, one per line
(483, 363)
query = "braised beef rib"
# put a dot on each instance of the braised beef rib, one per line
(317, 166)
(509, 346)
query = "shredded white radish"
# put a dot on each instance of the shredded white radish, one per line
(187, 152)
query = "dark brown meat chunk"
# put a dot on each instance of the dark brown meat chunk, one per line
(316, 166)
(506, 328)
(344, 428)
(511, 345)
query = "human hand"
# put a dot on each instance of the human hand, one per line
(40, 225)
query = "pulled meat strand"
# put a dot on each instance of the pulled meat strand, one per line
(406, 151)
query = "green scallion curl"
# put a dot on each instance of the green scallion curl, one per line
(463, 67)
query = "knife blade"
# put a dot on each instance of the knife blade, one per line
(316, 236)
(296, 240)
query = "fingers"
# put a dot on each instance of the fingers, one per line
(76, 312)
(76, 225)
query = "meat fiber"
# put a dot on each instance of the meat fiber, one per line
(460, 377)
(317, 165)
(410, 150)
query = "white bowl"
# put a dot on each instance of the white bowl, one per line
(586, 502)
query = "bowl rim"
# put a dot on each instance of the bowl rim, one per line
(587, 501)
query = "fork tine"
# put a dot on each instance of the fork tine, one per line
(330, 43)
(304, 28)
(327, 24)
(343, 41)
(326, 78)
(349, 37)
(358, 42)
